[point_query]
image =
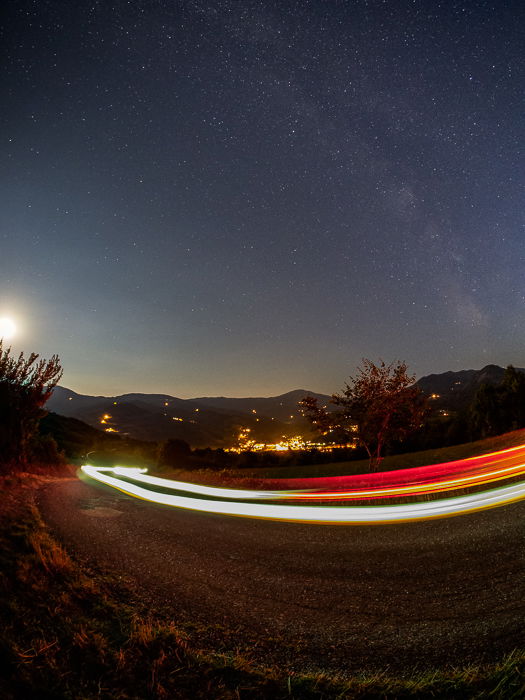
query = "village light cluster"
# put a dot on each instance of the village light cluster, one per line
(105, 420)
(296, 443)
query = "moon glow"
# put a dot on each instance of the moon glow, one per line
(7, 328)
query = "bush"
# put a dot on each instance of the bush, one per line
(25, 386)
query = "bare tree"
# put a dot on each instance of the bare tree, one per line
(381, 404)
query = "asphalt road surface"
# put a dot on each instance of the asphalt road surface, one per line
(440, 592)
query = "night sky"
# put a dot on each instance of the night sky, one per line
(244, 197)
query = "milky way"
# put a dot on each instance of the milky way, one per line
(235, 197)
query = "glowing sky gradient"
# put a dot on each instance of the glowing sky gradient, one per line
(211, 197)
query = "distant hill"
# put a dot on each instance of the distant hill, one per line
(215, 421)
(455, 390)
(74, 436)
(204, 422)
(281, 407)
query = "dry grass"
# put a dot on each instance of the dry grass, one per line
(51, 555)
(143, 632)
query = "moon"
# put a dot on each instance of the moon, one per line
(7, 328)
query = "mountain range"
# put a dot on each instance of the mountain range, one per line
(203, 422)
(453, 391)
(216, 421)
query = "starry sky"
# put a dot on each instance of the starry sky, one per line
(244, 197)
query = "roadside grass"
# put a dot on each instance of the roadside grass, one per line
(68, 633)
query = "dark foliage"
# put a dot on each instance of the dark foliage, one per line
(174, 453)
(25, 386)
(498, 409)
(494, 409)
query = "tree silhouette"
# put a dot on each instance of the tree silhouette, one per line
(496, 409)
(485, 412)
(174, 453)
(380, 405)
(513, 389)
(25, 386)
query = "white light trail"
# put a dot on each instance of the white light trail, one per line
(319, 514)
(419, 487)
(213, 491)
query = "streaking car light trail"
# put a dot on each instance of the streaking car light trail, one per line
(319, 514)
(424, 483)
(513, 457)
(418, 489)
(138, 475)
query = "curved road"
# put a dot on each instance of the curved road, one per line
(419, 594)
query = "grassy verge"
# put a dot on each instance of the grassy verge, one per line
(64, 634)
